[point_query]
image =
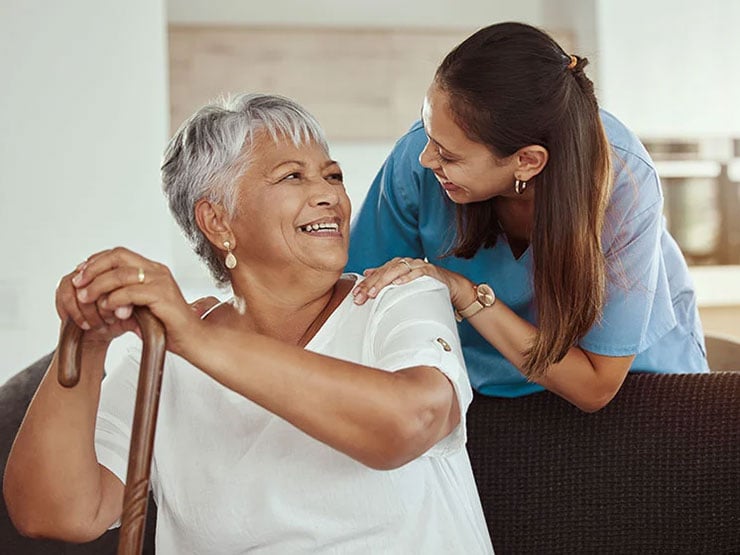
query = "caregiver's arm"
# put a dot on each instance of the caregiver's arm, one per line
(587, 380)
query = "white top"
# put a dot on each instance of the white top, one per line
(230, 477)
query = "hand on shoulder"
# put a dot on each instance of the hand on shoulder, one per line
(399, 271)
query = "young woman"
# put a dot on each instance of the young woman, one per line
(543, 216)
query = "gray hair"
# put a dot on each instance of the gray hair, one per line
(213, 148)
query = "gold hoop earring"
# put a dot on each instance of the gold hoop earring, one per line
(520, 187)
(230, 260)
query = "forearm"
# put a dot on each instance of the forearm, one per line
(382, 419)
(52, 480)
(587, 381)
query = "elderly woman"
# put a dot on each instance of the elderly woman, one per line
(291, 420)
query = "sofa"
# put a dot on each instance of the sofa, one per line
(656, 471)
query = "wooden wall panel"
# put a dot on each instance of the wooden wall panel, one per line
(721, 319)
(361, 84)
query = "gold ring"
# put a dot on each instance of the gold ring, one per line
(404, 261)
(141, 276)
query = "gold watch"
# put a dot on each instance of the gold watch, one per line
(484, 297)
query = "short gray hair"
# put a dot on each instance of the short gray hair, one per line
(213, 148)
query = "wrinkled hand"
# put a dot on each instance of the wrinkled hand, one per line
(106, 287)
(403, 270)
(100, 325)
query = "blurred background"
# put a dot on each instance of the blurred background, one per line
(92, 90)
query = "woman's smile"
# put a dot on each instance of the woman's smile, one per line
(326, 227)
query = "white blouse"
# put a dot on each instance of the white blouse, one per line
(230, 477)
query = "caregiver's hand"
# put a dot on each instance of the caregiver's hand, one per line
(402, 270)
(116, 280)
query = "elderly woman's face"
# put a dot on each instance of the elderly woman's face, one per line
(292, 208)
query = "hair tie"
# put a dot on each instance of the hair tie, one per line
(573, 62)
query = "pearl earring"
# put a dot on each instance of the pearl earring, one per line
(230, 261)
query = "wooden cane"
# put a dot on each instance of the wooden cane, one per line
(136, 494)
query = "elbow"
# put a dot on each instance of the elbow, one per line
(596, 400)
(41, 526)
(27, 521)
(394, 449)
(18, 511)
(38, 519)
(29, 525)
(409, 435)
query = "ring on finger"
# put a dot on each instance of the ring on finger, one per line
(141, 276)
(406, 262)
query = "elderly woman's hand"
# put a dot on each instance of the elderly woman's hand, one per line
(110, 283)
(100, 325)
(402, 270)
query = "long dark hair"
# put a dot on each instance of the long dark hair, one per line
(511, 85)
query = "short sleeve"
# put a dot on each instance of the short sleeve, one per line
(116, 414)
(414, 326)
(638, 309)
(387, 224)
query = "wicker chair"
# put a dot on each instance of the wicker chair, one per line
(656, 471)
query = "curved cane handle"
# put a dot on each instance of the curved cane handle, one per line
(133, 517)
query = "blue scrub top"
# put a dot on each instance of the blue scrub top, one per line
(650, 311)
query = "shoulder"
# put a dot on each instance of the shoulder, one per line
(419, 295)
(628, 151)
(410, 145)
(423, 284)
(623, 139)
(636, 187)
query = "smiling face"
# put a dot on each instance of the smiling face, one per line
(467, 170)
(292, 211)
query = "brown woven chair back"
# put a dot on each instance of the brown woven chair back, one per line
(656, 471)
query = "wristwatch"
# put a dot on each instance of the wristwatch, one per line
(484, 297)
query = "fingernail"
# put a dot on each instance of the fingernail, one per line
(80, 265)
(77, 279)
(85, 326)
(82, 294)
(110, 321)
(122, 312)
(103, 302)
(397, 281)
(372, 292)
(359, 299)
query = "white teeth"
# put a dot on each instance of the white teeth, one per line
(319, 226)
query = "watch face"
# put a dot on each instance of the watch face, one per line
(486, 297)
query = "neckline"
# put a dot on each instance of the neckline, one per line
(341, 289)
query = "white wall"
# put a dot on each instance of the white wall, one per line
(671, 68)
(376, 13)
(84, 120)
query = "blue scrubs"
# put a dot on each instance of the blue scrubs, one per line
(650, 311)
